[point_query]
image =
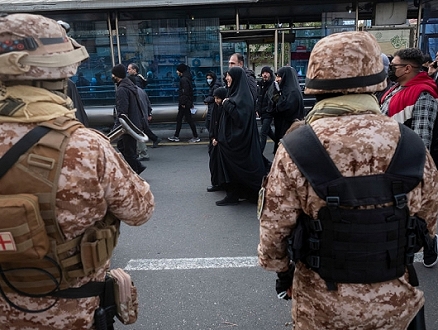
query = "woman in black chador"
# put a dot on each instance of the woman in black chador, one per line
(286, 101)
(242, 165)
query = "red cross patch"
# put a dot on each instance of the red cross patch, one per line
(7, 242)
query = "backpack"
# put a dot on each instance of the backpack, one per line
(347, 244)
(36, 260)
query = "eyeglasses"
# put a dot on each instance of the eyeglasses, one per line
(397, 65)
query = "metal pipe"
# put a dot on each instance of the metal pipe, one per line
(357, 16)
(119, 53)
(110, 30)
(237, 20)
(275, 50)
(417, 30)
(221, 55)
(282, 48)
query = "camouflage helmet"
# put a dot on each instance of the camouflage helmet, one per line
(346, 62)
(34, 47)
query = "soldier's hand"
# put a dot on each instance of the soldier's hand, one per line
(283, 283)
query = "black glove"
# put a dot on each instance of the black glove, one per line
(284, 282)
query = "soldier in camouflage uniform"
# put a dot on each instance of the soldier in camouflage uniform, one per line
(360, 141)
(94, 179)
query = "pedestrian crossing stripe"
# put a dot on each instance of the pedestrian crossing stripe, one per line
(202, 263)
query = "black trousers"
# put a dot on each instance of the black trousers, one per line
(185, 113)
(127, 145)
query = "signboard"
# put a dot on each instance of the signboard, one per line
(393, 39)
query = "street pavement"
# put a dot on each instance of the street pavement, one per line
(194, 263)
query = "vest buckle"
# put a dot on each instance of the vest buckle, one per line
(332, 201)
(412, 221)
(401, 200)
(314, 244)
(313, 261)
(316, 225)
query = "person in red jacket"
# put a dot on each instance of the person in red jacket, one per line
(413, 102)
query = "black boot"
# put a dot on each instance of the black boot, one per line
(228, 201)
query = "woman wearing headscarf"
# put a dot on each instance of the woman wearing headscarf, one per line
(242, 165)
(286, 101)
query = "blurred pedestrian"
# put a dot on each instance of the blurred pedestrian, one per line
(185, 104)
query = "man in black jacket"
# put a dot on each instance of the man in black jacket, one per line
(127, 103)
(140, 81)
(185, 103)
(237, 60)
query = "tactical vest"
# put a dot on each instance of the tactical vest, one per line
(348, 244)
(37, 173)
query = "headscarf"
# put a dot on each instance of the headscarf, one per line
(291, 102)
(239, 91)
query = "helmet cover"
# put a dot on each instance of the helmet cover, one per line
(34, 47)
(346, 62)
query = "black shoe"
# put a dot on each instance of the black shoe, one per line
(141, 169)
(213, 188)
(430, 256)
(227, 201)
(156, 142)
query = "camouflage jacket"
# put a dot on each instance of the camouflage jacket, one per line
(359, 145)
(94, 178)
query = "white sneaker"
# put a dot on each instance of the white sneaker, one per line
(194, 140)
(173, 139)
(430, 258)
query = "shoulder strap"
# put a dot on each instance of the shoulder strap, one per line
(406, 168)
(19, 148)
(304, 148)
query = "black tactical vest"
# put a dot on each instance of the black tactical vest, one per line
(346, 244)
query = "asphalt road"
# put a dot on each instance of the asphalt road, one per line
(169, 256)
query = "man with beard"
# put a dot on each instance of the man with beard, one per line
(413, 101)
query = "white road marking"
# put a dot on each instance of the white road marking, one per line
(203, 263)
(191, 263)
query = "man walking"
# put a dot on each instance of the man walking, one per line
(185, 103)
(140, 81)
(127, 102)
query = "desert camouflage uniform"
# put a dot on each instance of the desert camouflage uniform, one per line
(359, 145)
(94, 179)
